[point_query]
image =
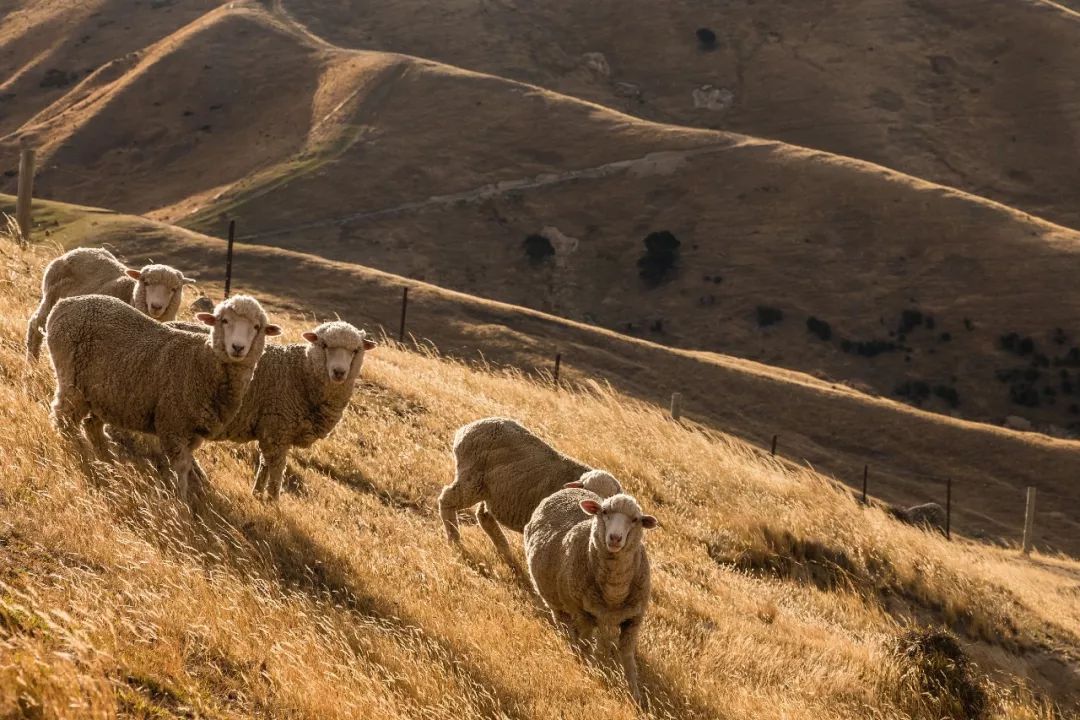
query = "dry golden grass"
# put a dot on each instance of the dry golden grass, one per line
(776, 594)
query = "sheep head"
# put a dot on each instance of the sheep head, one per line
(158, 290)
(618, 522)
(239, 329)
(336, 352)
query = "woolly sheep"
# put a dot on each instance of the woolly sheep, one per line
(929, 514)
(155, 290)
(115, 365)
(297, 396)
(588, 562)
(508, 470)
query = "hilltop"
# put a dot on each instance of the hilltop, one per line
(776, 594)
(793, 257)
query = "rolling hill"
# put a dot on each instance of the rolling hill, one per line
(929, 295)
(344, 600)
(830, 427)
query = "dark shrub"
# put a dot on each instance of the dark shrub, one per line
(945, 337)
(909, 320)
(1059, 337)
(538, 248)
(661, 253)
(768, 315)
(933, 670)
(968, 325)
(706, 38)
(948, 394)
(1071, 358)
(657, 325)
(929, 322)
(819, 327)
(57, 79)
(914, 390)
(1024, 394)
(1027, 346)
(868, 348)
(1016, 344)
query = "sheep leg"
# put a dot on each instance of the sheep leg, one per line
(94, 429)
(195, 472)
(274, 459)
(69, 407)
(178, 454)
(198, 473)
(261, 470)
(491, 527)
(458, 495)
(627, 644)
(33, 328)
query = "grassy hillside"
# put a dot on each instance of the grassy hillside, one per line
(830, 427)
(776, 594)
(978, 95)
(932, 296)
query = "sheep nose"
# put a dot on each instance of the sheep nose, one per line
(237, 348)
(155, 307)
(614, 539)
(339, 374)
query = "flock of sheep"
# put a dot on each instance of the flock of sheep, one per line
(122, 359)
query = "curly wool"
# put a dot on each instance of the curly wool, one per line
(85, 271)
(291, 401)
(115, 365)
(585, 585)
(499, 463)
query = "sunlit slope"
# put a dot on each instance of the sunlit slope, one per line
(978, 95)
(832, 427)
(344, 600)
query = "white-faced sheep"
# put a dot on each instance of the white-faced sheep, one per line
(297, 396)
(154, 290)
(587, 560)
(115, 365)
(508, 470)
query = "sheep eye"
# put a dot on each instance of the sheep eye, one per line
(224, 321)
(258, 328)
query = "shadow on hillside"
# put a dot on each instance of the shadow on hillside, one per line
(358, 481)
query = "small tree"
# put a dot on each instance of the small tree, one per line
(661, 255)
(706, 38)
(538, 248)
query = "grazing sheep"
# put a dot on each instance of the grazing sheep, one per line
(926, 515)
(115, 365)
(155, 290)
(508, 470)
(297, 396)
(588, 562)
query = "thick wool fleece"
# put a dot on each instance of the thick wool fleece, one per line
(584, 584)
(85, 271)
(115, 365)
(504, 466)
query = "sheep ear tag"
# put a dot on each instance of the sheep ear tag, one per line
(590, 506)
(206, 318)
(133, 273)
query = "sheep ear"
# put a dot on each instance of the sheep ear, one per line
(370, 344)
(188, 281)
(575, 484)
(133, 273)
(590, 506)
(273, 330)
(206, 318)
(311, 337)
(649, 522)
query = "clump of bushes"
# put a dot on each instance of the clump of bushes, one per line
(933, 670)
(538, 248)
(819, 327)
(706, 38)
(909, 320)
(1016, 344)
(661, 255)
(767, 315)
(914, 390)
(868, 348)
(948, 394)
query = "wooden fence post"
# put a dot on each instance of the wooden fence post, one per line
(26, 193)
(404, 310)
(948, 508)
(676, 405)
(558, 364)
(773, 451)
(228, 258)
(1029, 521)
(865, 473)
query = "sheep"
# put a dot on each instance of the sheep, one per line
(926, 515)
(588, 563)
(297, 396)
(508, 470)
(155, 290)
(115, 365)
